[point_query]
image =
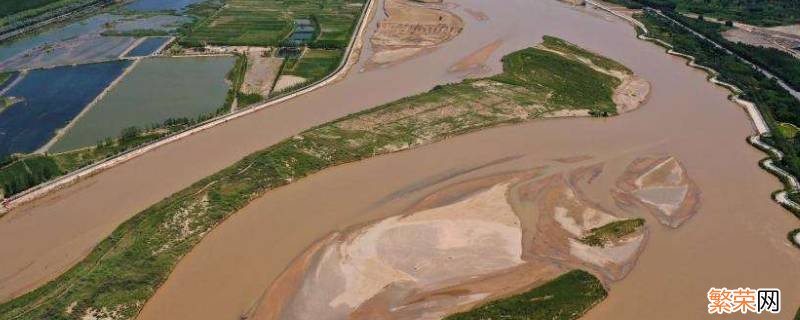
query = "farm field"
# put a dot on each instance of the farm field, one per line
(50, 98)
(313, 65)
(147, 47)
(268, 23)
(156, 89)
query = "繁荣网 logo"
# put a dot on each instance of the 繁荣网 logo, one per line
(744, 300)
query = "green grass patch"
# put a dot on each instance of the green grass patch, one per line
(598, 60)
(788, 130)
(247, 99)
(5, 76)
(27, 172)
(567, 297)
(611, 232)
(126, 268)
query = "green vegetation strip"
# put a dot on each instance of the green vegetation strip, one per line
(567, 297)
(27, 172)
(788, 130)
(775, 104)
(797, 315)
(792, 235)
(780, 63)
(763, 13)
(611, 232)
(125, 269)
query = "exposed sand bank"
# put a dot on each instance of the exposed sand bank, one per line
(411, 28)
(475, 63)
(457, 248)
(662, 186)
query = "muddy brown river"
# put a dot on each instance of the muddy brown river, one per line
(736, 239)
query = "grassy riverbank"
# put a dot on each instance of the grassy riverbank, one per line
(775, 103)
(777, 62)
(567, 297)
(761, 13)
(124, 270)
(28, 171)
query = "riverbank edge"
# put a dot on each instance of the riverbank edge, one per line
(349, 59)
(789, 181)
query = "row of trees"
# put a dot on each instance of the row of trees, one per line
(775, 103)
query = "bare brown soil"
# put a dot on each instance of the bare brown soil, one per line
(784, 38)
(410, 28)
(262, 69)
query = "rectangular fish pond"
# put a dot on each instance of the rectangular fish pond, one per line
(161, 5)
(81, 42)
(48, 99)
(147, 47)
(156, 89)
(303, 32)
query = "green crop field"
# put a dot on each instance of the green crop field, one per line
(788, 130)
(334, 30)
(314, 64)
(269, 22)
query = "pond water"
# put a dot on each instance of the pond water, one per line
(80, 42)
(155, 90)
(51, 98)
(147, 47)
(160, 5)
(303, 32)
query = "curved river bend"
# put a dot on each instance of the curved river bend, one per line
(736, 239)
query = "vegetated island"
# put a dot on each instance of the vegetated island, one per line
(567, 297)
(124, 270)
